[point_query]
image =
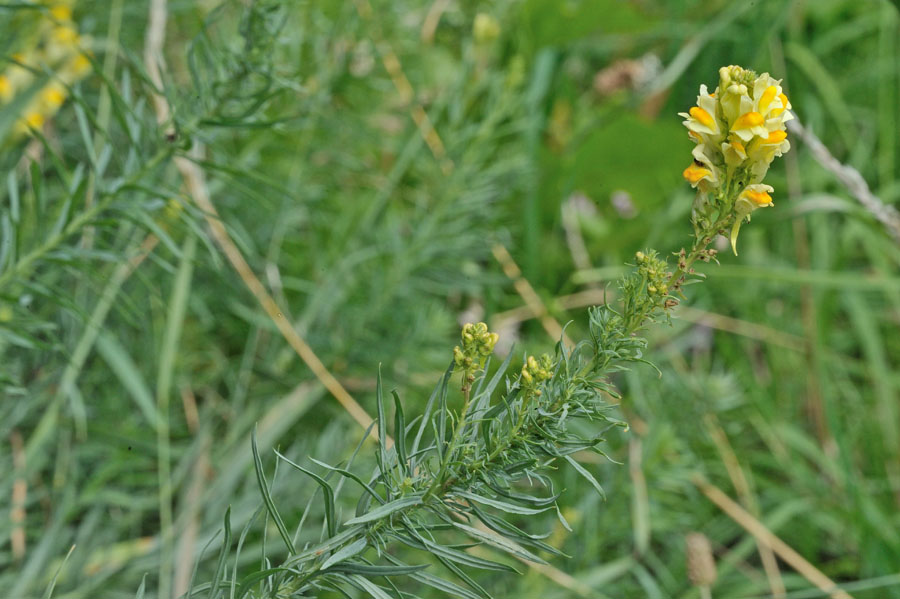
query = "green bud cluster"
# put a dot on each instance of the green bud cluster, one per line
(736, 75)
(535, 371)
(653, 270)
(477, 344)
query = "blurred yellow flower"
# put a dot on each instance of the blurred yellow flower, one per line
(59, 48)
(61, 12)
(6, 89)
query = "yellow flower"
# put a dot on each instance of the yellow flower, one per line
(702, 173)
(6, 89)
(34, 120)
(696, 173)
(758, 195)
(739, 129)
(754, 196)
(65, 35)
(701, 119)
(61, 12)
(52, 97)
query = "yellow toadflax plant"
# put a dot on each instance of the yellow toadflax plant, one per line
(455, 476)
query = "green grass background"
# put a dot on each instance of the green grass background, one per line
(374, 252)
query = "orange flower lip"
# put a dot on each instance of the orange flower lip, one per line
(703, 117)
(760, 198)
(776, 137)
(748, 120)
(694, 173)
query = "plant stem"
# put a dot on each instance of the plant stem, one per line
(454, 441)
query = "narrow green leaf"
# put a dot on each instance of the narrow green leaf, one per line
(325, 546)
(7, 242)
(223, 555)
(400, 433)
(502, 543)
(500, 505)
(49, 592)
(13, 187)
(462, 575)
(248, 582)
(386, 510)
(267, 496)
(121, 364)
(326, 490)
(352, 477)
(346, 552)
(455, 555)
(37, 186)
(587, 475)
(439, 389)
(141, 589)
(367, 570)
(435, 582)
(368, 586)
(382, 424)
(362, 440)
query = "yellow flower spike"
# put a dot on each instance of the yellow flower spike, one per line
(702, 116)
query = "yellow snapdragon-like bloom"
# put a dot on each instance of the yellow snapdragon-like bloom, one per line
(738, 129)
(755, 195)
(741, 125)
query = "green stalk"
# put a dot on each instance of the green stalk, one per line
(454, 442)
